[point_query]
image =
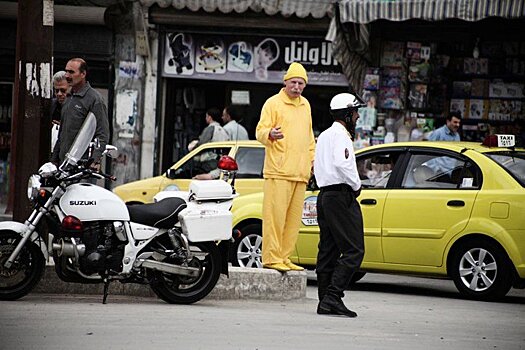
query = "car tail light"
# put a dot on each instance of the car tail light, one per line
(227, 163)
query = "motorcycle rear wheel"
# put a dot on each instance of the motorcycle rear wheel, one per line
(27, 270)
(188, 290)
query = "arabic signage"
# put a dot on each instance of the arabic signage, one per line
(249, 58)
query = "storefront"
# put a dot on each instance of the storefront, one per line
(85, 25)
(456, 56)
(217, 59)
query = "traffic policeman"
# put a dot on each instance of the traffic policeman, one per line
(341, 243)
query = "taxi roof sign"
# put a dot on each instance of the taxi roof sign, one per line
(499, 140)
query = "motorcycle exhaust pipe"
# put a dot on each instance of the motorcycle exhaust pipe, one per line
(169, 268)
(64, 248)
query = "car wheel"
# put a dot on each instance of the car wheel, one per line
(247, 249)
(481, 270)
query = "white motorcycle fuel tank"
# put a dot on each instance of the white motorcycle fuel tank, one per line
(89, 202)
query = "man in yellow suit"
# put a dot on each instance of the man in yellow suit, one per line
(285, 129)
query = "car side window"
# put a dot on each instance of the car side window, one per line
(203, 162)
(250, 161)
(440, 171)
(375, 169)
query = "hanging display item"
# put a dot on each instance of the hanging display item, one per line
(249, 58)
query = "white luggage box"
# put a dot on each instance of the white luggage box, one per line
(210, 189)
(202, 225)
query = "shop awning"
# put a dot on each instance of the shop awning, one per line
(300, 8)
(366, 11)
(351, 44)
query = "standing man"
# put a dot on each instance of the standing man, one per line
(449, 131)
(230, 116)
(214, 132)
(341, 238)
(84, 99)
(61, 88)
(285, 129)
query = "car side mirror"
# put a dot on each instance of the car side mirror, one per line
(171, 174)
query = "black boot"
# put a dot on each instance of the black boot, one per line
(323, 281)
(332, 304)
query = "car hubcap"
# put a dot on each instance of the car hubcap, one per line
(249, 251)
(478, 269)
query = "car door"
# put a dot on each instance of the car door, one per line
(431, 203)
(375, 169)
(249, 177)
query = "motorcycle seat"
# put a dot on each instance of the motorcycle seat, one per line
(163, 214)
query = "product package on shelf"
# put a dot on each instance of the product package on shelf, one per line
(413, 52)
(477, 66)
(478, 109)
(504, 110)
(460, 105)
(392, 54)
(417, 97)
(479, 88)
(372, 79)
(461, 89)
(392, 90)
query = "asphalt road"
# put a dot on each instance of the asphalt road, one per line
(394, 313)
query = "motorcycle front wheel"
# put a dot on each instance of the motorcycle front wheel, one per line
(26, 271)
(188, 290)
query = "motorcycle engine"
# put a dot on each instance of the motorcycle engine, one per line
(104, 249)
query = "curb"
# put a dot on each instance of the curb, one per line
(243, 283)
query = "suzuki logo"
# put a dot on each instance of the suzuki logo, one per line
(82, 202)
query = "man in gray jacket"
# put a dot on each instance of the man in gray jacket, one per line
(83, 99)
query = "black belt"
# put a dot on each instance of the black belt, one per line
(338, 187)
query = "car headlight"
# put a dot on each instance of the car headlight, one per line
(33, 185)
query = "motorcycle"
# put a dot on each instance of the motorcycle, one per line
(178, 246)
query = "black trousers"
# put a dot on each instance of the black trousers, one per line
(341, 240)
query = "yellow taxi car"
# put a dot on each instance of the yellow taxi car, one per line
(437, 209)
(248, 154)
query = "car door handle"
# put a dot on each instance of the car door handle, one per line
(456, 203)
(368, 201)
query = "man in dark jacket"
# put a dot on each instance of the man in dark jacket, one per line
(83, 99)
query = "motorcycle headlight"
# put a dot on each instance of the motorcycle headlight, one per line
(33, 185)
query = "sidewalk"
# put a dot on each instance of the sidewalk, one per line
(242, 283)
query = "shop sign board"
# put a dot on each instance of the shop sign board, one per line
(249, 58)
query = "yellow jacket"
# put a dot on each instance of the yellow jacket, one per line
(289, 158)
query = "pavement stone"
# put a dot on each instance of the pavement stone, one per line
(242, 283)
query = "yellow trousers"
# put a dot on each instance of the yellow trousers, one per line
(282, 212)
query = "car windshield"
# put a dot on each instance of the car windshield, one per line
(512, 161)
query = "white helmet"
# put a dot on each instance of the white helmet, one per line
(346, 101)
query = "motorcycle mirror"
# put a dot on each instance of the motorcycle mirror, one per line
(111, 151)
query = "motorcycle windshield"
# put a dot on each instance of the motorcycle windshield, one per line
(82, 140)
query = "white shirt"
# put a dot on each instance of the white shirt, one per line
(335, 159)
(236, 131)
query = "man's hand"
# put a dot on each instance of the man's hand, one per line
(95, 166)
(275, 133)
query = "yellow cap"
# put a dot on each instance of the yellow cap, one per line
(296, 70)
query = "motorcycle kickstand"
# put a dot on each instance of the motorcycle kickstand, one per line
(106, 290)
